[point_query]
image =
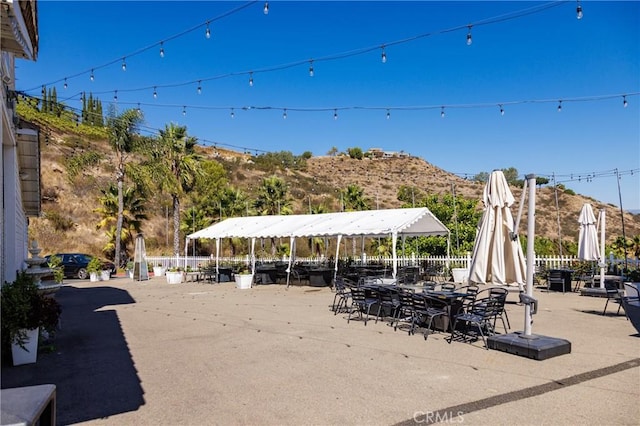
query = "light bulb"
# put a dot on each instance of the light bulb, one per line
(469, 39)
(559, 106)
(65, 83)
(579, 10)
(442, 112)
(124, 65)
(184, 111)
(199, 88)
(233, 114)
(161, 50)
(388, 115)
(155, 93)
(251, 79)
(207, 32)
(115, 96)
(284, 114)
(138, 109)
(384, 56)
(335, 114)
(624, 101)
(266, 8)
(91, 76)
(311, 73)
(501, 110)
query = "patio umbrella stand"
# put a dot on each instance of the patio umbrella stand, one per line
(524, 343)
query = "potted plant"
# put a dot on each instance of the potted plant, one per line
(55, 264)
(243, 278)
(25, 312)
(94, 268)
(130, 269)
(158, 270)
(174, 275)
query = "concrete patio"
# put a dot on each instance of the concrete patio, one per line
(195, 353)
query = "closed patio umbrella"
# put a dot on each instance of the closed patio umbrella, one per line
(497, 255)
(588, 237)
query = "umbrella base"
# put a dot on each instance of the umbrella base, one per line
(534, 346)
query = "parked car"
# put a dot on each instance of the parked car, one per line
(75, 264)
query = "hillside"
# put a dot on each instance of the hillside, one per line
(70, 207)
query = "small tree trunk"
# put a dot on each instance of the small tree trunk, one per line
(176, 225)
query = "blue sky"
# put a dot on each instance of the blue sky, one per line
(526, 64)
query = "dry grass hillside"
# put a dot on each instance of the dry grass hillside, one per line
(70, 207)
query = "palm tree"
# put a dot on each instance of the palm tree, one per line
(174, 168)
(121, 130)
(273, 197)
(133, 214)
(353, 198)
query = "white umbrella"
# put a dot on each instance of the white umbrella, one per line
(497, 255)
(588, 238)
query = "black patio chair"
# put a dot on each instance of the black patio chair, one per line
(448, 286)
(434, 308)
(405, 311)
(361, 303)
(500, 294)
(613, 294)
(342, 296)
(479, 319)
(388, 301)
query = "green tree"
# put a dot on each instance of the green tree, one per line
(355, 153)
(353, 198)
(511, 175)
(133, 215)
(273, 197)
(332, 152)
(482, 177)
(121, 131)
(174, 168)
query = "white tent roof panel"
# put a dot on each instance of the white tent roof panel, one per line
(372, 223)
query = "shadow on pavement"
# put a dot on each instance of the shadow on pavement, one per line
(91, 365)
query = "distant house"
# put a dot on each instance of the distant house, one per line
(379, 153)
(20, 166)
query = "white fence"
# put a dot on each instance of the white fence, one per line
(548, 262)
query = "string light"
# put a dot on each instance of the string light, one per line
(624, 101)
(469, 39)
(442, 112)
(233, 114)
(388, 114)
(115, 96)
(559, 106)
(184, 111)
(124, 64)
(384, 55)
(91, 76)
(251, 79)
(199, 90)
(284, 114)
(579, 10)
(161, 49)
(311, 73)
(155, 93)
(501, 110)
(65, 83)
(138, 110)
(207, 32)
(335, 114)
(266, 8)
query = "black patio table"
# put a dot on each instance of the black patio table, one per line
(453, 302)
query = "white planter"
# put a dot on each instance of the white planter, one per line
(29, 354)
(243, 281)
(158, 271)
(460, 275)
(105, 275)
(174, 277)
(94, 277)
(130, 273)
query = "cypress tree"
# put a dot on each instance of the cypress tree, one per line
(43, 108)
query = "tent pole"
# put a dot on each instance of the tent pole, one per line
(335, 273)
(602, 221)
(531, 232)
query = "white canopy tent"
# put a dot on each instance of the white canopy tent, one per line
(370, 223)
